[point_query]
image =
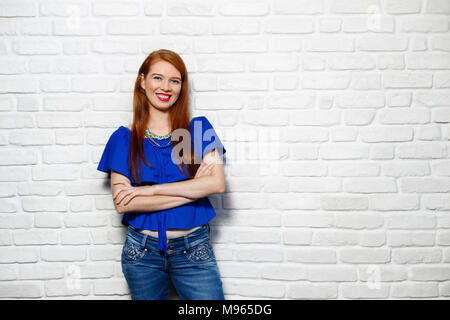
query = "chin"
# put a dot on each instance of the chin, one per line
(160, 106)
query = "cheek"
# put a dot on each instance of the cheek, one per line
(177, 91)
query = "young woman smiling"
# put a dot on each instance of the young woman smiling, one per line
(164, 201)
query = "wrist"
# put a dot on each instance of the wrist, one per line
(155, 188)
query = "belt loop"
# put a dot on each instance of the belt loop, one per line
(144, 240)
(186, 242)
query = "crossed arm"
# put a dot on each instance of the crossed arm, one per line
(210, 179)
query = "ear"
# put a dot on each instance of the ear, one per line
(142, 81)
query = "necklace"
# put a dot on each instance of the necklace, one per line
(152, 136)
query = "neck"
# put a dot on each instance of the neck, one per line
(159, 122)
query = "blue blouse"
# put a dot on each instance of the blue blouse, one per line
(115, 157)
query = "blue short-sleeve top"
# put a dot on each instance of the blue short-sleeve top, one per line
(115, 157)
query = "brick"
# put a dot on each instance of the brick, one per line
(402, 6)
(111, 287)
(291, 272)
(437, 6)
(261, 289)
(68, 287)
(21, 290)
(244, 9)
(311, 291)
(289, 26)
(389, 202)
(377, 273)
(95, 84)
(368, 291)
(63, 253)
(420, 61)
(115, 8)
(443, 238)
(422, 24)
(430, 273)
(332, 273)
(24, 255)
(235, 27)
(13, 66)
(311, 255)
(16, 221)
(298, 7)
(410, 238)
(365, 255)
(22, 8)
(330, 44)
(256, 236)
(258, 254)
(41, 271)
(130, 27)
(382, 43)
(36, 237)
(18, 85)
(104, 46)
(410, 221)
(440, 43)
(34, 46)
(404, 116)
(68, 28)
(184, 26)
(414, 290)
(65, 9)
(75, 237)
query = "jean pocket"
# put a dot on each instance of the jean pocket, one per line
(132, 252)
(202, 253)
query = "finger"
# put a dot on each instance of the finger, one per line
(120, 182)
(118, 191)
(122, 195)
(200, 171)
(129, 197)
(203, 172)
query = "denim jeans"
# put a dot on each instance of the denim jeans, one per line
(189, 263)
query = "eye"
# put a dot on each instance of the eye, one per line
(176, 81)
(156, 77)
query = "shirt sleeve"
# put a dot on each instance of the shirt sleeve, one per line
(115, 155)
(204, 138)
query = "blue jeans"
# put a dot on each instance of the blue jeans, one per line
(189, 263)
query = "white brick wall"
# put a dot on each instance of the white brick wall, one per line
(353, 200)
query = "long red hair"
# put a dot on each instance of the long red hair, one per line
(178, 114)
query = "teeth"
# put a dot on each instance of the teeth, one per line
(163, 96)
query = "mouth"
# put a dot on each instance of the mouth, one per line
(163, 97)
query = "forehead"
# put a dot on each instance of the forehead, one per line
(164, 68)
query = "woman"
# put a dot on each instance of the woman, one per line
(164, 200)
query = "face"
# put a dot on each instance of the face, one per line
(162, 84)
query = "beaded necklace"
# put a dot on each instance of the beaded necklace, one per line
(152, 136)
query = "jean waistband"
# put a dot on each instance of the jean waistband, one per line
(185, 242)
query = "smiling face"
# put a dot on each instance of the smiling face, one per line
(162, 84)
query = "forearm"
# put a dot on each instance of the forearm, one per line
(152, 203)
(192, 189)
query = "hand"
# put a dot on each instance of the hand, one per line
(127, 192)
(204, 169)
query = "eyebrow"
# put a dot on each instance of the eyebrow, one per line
(163, 75)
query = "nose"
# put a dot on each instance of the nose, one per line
(165, 85)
